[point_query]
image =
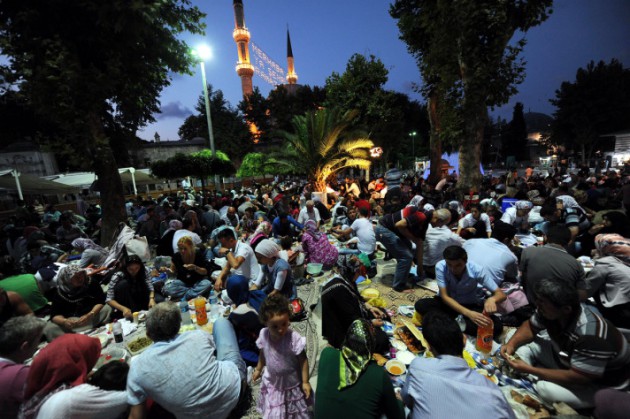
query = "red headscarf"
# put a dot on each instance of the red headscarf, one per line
(66, 360)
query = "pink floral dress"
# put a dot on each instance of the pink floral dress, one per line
(319, 250)
(281, 394)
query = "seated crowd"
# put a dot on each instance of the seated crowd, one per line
(509, 257)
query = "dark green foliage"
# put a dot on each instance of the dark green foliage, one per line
(596, 103)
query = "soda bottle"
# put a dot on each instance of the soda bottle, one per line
(117, 331)
(484, 336)
(200, 310)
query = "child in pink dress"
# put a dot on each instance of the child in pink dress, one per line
(285, 391)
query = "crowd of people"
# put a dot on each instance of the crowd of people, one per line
(511, 253)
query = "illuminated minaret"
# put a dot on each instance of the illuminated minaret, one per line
(241, 36)
(291, 76)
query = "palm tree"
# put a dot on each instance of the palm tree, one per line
(323, 143)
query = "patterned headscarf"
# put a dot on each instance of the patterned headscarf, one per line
(84, 244)
(523, 205)
(311, 228)
(614, 245)
(64, 281)
(173, 225)
(264, 228)
(356, 352)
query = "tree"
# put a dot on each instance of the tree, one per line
(596, 103)
(256, 164)
(255, 108)
(229, 128)
(323, 143)
(388, 116)
(514, 138)
(468, 62)
(200, 165)
(93, 65)
(284, 105)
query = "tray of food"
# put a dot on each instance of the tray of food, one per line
(138, 345)
(410, 336)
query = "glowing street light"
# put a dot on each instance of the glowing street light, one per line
(203, 53)
(413, 147)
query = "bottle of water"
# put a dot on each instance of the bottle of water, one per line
(213, 297)
(461, 322)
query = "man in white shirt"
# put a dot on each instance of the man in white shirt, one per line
(186, 231)
(474, 225)
(352, 187)
(438, 238)
(241, 260)
(364, 235)
(309, 212)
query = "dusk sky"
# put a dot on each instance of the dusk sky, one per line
(326, 33)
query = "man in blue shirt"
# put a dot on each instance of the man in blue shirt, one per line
(460, 292)
(445, 386)
(281, 226)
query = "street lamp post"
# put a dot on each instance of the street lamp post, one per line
(204, 53)
(413, 147)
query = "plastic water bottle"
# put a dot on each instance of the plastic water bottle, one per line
(213, 298)
(461, 322)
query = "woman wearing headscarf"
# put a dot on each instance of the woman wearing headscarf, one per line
(244, 317)
(609, 281)
(275, 276)
(189, 267)
(350, 384)
(263, 231)
(64, 363)
(91, 253)
(165, 244)
(79, 303)
(316, 246)
(342, 304)
(131, 289)
(613, 222)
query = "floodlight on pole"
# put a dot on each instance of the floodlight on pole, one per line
(413, 146)
(203, 53)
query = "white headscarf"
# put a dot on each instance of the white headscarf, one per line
(268, 248)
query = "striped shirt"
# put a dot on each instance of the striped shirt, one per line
(590, 345)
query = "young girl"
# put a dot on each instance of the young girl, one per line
(285, 391)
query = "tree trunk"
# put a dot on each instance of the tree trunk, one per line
(110, 184)
(435, 143)
(470, 154)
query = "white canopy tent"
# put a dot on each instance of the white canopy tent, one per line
(84, 180)
(14, 180)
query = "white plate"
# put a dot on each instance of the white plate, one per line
(104, 338)
(399, 345)
(405, 357)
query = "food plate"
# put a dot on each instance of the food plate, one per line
(138, 345)
(109, 355)
(487, 374)
(405, 357)
(399, 345)
(395, 367)
(370, 293)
